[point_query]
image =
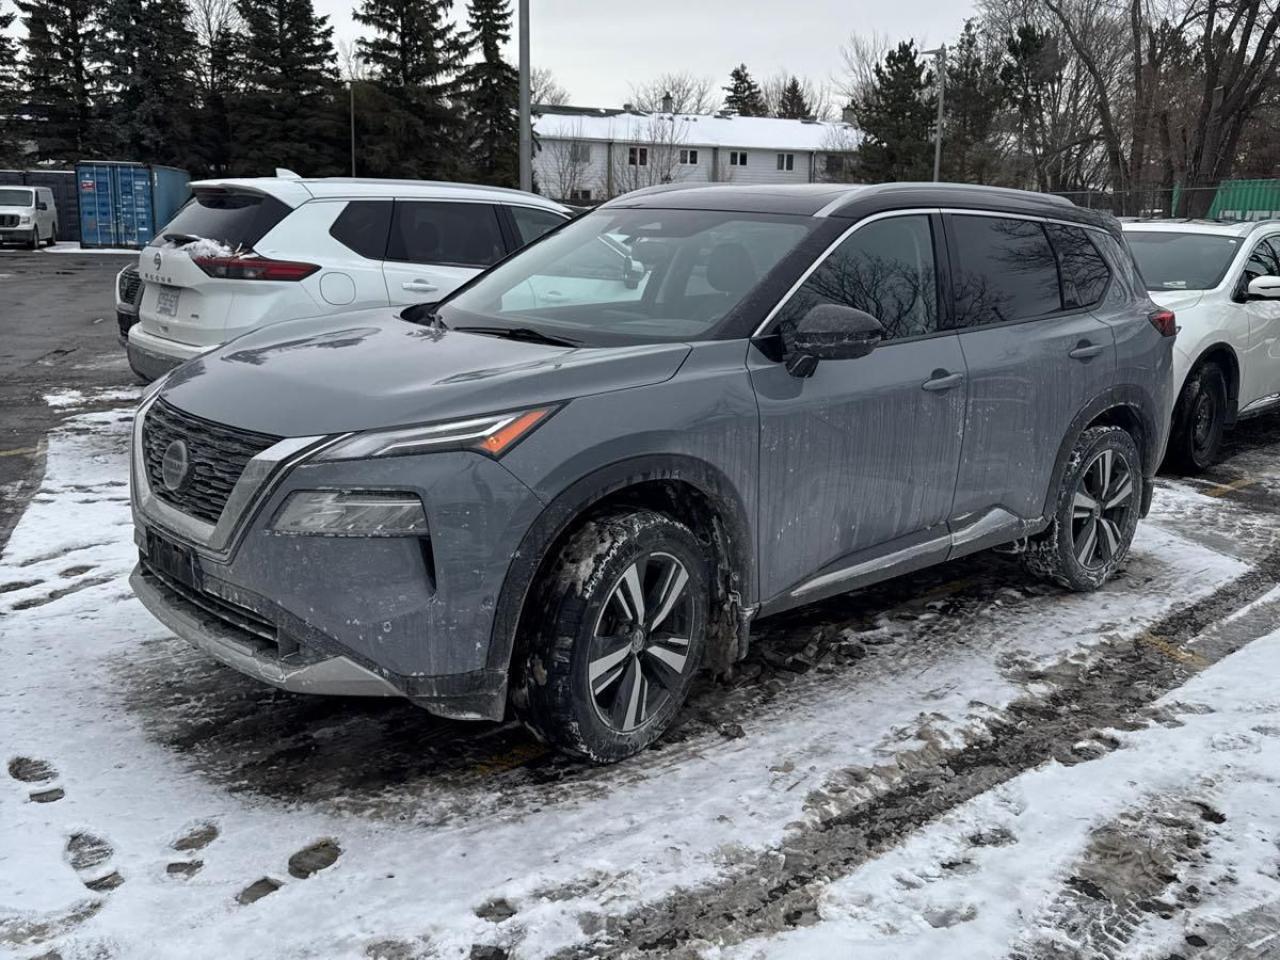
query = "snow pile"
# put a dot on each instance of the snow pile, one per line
(67, 398)
(202, 247)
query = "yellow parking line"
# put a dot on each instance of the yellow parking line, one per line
(19, 452)
(1173, 651)
(1222, 489)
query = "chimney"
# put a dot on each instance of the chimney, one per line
(666, 102)
(848, 115)
(628, 107)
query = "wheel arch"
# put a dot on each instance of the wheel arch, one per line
(1225, 356)
(691, 490)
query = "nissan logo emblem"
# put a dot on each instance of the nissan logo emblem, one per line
(174, 465)
(156, 260)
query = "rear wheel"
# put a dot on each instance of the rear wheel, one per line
(618, 637)
(1199, 420)
(53, 235)
(1099, 501)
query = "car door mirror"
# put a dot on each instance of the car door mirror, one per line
(42, 205)
(1264, 288)
(633, 272)
(829, 331)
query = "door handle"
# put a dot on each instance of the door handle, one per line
(1086, 351)
(420, 286)
(941, 380)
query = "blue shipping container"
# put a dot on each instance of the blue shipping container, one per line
(123, 204)
(170, 189)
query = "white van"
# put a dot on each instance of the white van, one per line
(28, 215)
(247, 252)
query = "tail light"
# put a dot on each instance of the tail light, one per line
(254, 268)
(1165, 322)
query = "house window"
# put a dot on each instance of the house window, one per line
(689, 157)
(638, 157)
(579, 152)
(737, 158)
(579, 194)
(786, 161)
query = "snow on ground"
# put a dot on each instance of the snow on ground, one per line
(1181, 813)
(71, 246)
(66, 398)
(435, 865)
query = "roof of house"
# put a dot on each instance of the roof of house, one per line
(760, 133)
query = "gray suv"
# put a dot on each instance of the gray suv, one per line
(586, 473)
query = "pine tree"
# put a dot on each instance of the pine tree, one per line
(895, 116)
(743, 95)
(491, 89)
(11, 99)
(414, 125)
(63, 78)
(287, 115)
(792, 105)
(974, 95)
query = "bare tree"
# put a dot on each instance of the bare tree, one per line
(649, 154)
(689, 94)
(352, 66)
(216, 24)
(544, 89)
(819, 96)
(564, 165)
(838, 155)
(860, 53)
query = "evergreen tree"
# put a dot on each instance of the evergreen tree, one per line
(743, 95)
(287, 115)
(63, 78)
(974, 96)
(218, 79)
(491, 90)
(11, 98)
(895, 115)
(414, 126)
(792, 105)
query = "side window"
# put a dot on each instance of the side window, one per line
(885, 268)
(1262, 262)
(1085, 273)
(532, 223)
(362, 227)
(1006, 270)
(462, 234)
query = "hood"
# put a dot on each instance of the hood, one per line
(20, 211)
(369, 369)
(1176, 300)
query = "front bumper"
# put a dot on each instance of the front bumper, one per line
(17, 234)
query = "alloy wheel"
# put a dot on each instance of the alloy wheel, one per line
(639, 650)
(1101, 509)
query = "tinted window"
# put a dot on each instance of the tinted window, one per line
(362, 226)
(237, 219)
(531, 223)
(1182, 261)
(1085, 273)
(1006, 270)
(1262, 262)
(465, 234)
(885, 268)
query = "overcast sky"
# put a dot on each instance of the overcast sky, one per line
(598, 48)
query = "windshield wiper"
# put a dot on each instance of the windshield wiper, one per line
(524, 334)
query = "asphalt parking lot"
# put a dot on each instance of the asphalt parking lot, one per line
(961, 763)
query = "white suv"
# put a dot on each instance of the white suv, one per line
(244, 253)
(1223, 282)
(28, 215)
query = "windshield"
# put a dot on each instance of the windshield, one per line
(630, 276)
(10, 197)
(1182, 261)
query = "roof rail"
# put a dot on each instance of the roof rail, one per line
(672, 188)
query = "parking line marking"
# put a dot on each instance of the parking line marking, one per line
(1173, 651)
(1222, 489)
(20, 451)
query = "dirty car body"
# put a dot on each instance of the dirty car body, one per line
(655, 447)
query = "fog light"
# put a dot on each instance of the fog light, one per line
(351, 513)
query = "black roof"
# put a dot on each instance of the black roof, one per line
(855, 201)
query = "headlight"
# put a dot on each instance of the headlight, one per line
(351, 513)
(494, 435)
(24, 218)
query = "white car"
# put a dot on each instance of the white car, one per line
(1223, 282)
(28, 215)
(244, 253)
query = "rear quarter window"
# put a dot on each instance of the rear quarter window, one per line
(532, 223)
(362, 227)
(1085, 273)
(238, 219)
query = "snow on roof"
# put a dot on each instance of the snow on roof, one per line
(762, 133)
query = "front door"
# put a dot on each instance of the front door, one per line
(436, 246)
(1035, 353)
(1260, 372)
(862, 456)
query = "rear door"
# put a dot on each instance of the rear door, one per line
(436, 246)
(1036, 355)
(859, 460)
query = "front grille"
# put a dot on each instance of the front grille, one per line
(8, 219)
(216, 455)
(129, 286)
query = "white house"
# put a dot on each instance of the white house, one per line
(592, 155)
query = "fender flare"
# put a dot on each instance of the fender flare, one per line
(579, 498)
(1234, 377)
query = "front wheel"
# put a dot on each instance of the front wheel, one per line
(1199, 419)
(1099, 500)
(620, 633)
(34, 242)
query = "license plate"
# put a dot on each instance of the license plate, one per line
(173, 561)
(167, 301)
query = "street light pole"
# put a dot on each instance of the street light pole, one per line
(526, 132)
(941, 54)
(351, 86)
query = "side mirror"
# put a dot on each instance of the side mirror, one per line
(633, 272)
(1264, 288)
(42, 205)
(829, 331)
(419, 312)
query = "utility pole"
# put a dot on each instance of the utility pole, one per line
(941, 54)
(526, 131)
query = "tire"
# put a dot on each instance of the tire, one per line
(34, 242)
(53, 236)
(1100, 494)
(601, 700)
(1199, 419)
